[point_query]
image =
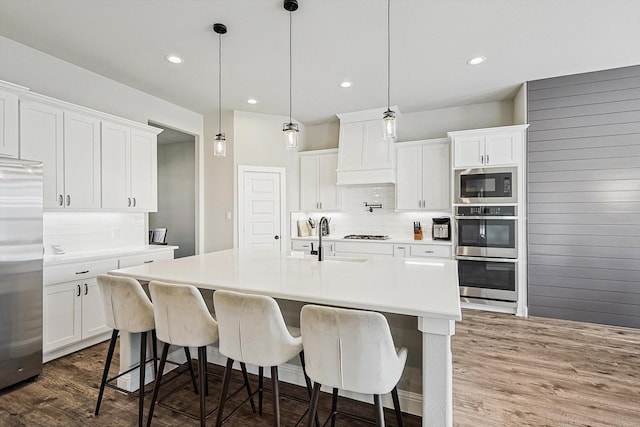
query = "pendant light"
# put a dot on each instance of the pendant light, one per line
(290, 129)
(220, 142)
(389, 117)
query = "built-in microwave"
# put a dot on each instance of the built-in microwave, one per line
(486, 185)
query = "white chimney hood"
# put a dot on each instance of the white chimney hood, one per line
(364, 157)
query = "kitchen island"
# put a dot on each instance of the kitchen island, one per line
(426, 289)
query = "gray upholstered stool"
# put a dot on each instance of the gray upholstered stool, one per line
(252, 330)
(127, 308)
(183, 319)
(351, 350)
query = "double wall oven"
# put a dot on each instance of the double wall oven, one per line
(487, 235)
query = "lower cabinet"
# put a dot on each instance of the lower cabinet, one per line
(422, 250)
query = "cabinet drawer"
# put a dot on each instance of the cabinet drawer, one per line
(364, 248)
(302, 245)
(133, 260)
(438, 251)
(79, 271)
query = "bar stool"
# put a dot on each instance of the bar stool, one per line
(183, 319)
(127, 308)
(252, 330)
(351, 350)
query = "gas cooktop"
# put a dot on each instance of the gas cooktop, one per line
(366, 237)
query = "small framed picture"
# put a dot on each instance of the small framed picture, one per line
(158, 236)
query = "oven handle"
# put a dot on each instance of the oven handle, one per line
(475, 258)
(485, 217)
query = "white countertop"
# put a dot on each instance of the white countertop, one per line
(397, 240)
(424, 288)
(80, 256)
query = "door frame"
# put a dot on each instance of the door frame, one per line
(238, 234)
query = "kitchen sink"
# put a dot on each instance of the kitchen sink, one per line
(329, 258)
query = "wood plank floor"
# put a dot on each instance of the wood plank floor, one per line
(508, 371)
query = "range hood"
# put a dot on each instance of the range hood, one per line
(364, 157)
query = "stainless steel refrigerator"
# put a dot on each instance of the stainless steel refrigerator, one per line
(20, 270)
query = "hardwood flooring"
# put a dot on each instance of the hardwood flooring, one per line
(508, 371)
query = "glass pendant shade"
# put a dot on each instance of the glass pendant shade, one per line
(291, 133)
(389, 125)
(220, 145)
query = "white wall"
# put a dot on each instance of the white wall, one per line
(520, 106)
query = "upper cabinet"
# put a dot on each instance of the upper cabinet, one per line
(68, 144)
(8, 124)
(129, 168)
(364, 157)
(423, 175)
(488, 147)
(318, 190)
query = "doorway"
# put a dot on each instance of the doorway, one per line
(176, 190)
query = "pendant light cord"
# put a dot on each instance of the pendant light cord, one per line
(219, 83)
(388, 54)
(290, 67)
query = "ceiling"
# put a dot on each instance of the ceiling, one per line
(333, 40)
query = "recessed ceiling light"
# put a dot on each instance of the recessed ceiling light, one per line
(252, 101)
(346, 84)
(174, 59)
(477, 60)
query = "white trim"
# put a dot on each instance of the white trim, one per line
(72, 348)
(239, 234)
(365, 115)
(495, 130)
(318, 152)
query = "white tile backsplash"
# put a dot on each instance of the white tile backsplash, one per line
(80, 231)
(355, 218)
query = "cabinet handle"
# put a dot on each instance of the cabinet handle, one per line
(428, 252)
(320, 205)
(86, 289)
(482, 159)
(424, 204)
(401, 247)
(82, 272)
(60, 200)
(148, 262)
(134, 202)
(68, 200)
(419, 203)
(129, 202)
(78, 290)
(487, 159)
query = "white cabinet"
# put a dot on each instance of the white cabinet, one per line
(68, 144)
(488, 147)
(362, 249)
(318, 190)
(422, 250)
(72, 308)
(423, 175)
(8, 124)
(129, 168)
(133, 260)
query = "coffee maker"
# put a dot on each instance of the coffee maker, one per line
(441, 229)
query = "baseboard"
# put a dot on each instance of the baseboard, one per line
(52, 355)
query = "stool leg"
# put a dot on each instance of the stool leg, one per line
(377, 401)
(187, 353)
(107, 365)
(396, 405)
(260, 388)
(334, 406)
(156, 388)
(276, 396)
(154, 347)
(143, 369)
(225, 388)
(308, 381)
(202, 372)
(313, 405)
(243, 366)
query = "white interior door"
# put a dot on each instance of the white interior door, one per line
(260, 211)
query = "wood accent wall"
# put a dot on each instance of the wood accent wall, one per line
(584, 197)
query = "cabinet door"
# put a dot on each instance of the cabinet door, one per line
(327, 177)
(436, 172)
(81, 161)
(41, 138)
(468, 151)
(62, 322)
(409, 178)
(503, 149)
(309, 200)
(351, 145)
(115, 173)
(8, 124)
(93, 322)
(376, 152)
(144, 170)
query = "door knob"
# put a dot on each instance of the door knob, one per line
(277, 237)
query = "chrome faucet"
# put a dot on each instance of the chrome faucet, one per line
(323, 220)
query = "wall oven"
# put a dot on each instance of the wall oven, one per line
(486, 185)
(492, 279)
(487, 231)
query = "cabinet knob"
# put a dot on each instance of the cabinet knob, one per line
(277, 237)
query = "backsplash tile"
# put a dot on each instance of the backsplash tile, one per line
(81, 231)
